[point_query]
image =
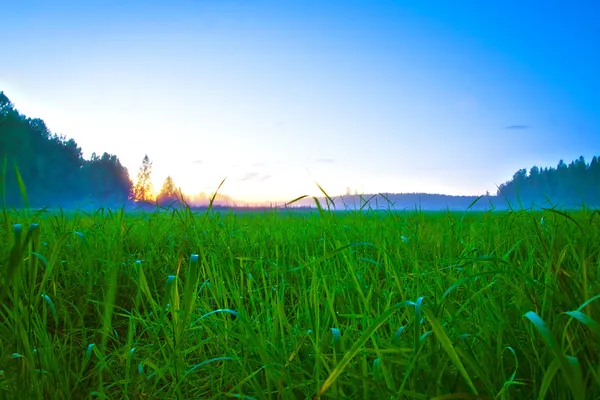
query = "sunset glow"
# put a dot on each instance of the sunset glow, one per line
(275, 96)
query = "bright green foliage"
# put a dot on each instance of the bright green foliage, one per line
(282, 304)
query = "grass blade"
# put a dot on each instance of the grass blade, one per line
(440, 333)
(333, 376)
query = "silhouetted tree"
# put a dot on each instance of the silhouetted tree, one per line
(168, 192)
(109, 180)
(143, 189)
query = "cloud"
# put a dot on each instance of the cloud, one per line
(515, 127)
(249, 176)
(197, 162)
(325, 160)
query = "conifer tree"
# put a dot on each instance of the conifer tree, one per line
(143, 189)
(168, 192)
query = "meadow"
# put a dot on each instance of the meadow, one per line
(275, 304)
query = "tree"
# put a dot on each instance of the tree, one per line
(168, 192)
(52, 166)
(143, 188)
(5, 104)
(108, 179)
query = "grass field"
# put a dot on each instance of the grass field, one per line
(372, 305)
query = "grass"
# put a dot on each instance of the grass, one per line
(364, 305)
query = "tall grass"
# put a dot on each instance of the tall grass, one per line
(287, 305)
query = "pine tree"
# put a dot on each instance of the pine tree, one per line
(168, 192)
(143, 188)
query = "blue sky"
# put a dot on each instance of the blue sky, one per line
(375, 96)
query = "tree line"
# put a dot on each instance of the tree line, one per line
(54, 172)
(51, 166)
(144, 191)
(572, 184)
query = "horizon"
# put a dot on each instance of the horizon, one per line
(385, 98)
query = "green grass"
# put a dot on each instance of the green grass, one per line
(372, 305)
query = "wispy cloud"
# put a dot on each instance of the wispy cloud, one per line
(254, 176)
(325, 160)
(515, 127)
(249, 176)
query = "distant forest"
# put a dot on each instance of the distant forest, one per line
(52, 167)
(566, 186)
(54, 173)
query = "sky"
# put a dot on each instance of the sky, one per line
(373, 96)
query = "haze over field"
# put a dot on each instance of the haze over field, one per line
(435, 97)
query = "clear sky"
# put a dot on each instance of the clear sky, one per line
(378, 96)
